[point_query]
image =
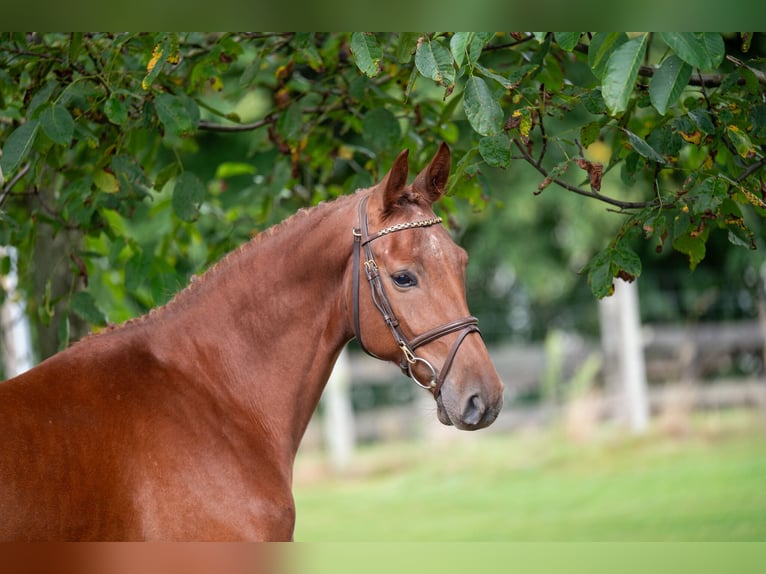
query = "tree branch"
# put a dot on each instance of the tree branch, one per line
(623, 205)
(14, 180)
(752, 168)
(703, 80)
(269, 119)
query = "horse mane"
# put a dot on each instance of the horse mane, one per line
(197, 281)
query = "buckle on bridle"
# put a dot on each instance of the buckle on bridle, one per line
(371, 267)
(408, 354)
(411, 360)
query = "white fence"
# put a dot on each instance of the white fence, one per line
(702, 357)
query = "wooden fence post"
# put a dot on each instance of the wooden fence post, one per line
(624, 365)
(338, 420)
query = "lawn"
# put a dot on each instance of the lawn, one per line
(707, 485)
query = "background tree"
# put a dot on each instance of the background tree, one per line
(132, 161)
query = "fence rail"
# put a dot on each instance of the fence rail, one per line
(685, 356)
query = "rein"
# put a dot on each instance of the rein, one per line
(362, 241)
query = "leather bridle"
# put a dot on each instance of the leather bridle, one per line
(363, 240)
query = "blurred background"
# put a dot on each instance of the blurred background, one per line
(641, 416)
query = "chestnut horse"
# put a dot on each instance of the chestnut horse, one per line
(184, 424)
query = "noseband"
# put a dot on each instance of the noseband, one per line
(363, 240)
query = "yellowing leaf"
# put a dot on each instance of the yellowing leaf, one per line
(105, 181)
(156, 55)
(164, 51)
(526, 124)
(695, 137)
(741, 141)
(150, 73)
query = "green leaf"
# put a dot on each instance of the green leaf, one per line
(668, 82)
(709, 196)
(232, 169)
(692, 246)
(188, 193)
(512, 81)
(589, 133)
(567, 40)
(741, 141)
(602, 45)
(656, 225)
(621, 72)
(75, 44)
(601, 274)
(702, 120)
(367, 53)
(173, 114)
(496, 150)
(106, 181)
(739, 234)
(484, 113)
(17, 147)
(381, 129)
(84, 305)
(466, 47)
(502, 80)
(41, 98)
(408, 42)
(619, 261)
(627, 262)
(57, 123)
(643, 148)
(458, 45)
(290, 123)
(116, 110)
(700, 50)
(434, 61)
(130, 175)
(165, 175)
(593, 101)
(714, 47)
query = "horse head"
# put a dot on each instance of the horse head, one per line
(412, 309)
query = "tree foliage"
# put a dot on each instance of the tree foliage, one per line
(156, 153)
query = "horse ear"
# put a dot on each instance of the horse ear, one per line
(395, 180)
(432, 181)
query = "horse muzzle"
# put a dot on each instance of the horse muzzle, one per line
(469, 410)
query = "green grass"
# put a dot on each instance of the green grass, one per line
(709, 485)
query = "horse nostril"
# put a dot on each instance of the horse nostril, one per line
(474, 410)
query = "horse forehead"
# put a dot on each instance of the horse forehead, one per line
(430, 245)
(434, 246)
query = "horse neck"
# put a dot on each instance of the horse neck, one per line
(263, 330)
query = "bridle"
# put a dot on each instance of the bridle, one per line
(466, 326)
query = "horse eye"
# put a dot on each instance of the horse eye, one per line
(404, 280)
